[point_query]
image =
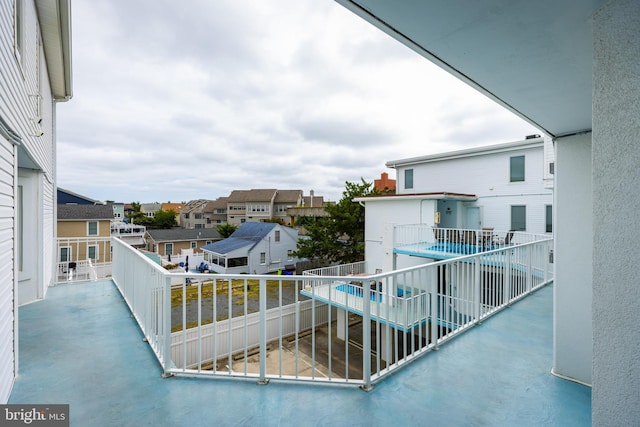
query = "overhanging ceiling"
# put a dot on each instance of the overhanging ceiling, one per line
(533, 57)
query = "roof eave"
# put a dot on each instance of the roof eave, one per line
(55, 26)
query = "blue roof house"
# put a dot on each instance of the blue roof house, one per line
(255, 247)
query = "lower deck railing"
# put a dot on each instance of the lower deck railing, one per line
(343, 329)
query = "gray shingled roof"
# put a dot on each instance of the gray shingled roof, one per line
(253, 195)
(178, 234)
(288, 196)
(82, 212)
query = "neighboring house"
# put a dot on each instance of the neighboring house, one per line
(66, 197)
(311, 209)
(255, 247)
(193, 214)
(173, 241)
(78, 226)
(150, 209)
(132, 234)
(312, 201)
(498, 187)
(176, 207)
(385, 185)
(258, 205)
(118, 211)
(35, 70)
(569, 69)
(216, 212)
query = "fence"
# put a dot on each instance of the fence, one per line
(351, 328)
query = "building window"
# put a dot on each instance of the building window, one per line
(92, 228)
(408, 179)
(290, 254)
(92, 252)
(519, 218)
(277, 235)
(263, 257)
(237, 262)
(65, 253)
(197, 216)
(18, 29)
(168, 248)
(549, 219)
(198, 226)
(193, 245)
(516, 169)
(243, 220)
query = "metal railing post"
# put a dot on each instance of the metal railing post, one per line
(166, 329)
(366, 340)
(507, 277)
(263, 332)
(477, 285)
(434, 306)
(529, 277)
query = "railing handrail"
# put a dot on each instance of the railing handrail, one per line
(147, 288)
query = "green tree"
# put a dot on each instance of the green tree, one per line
(339, 238)
(137, 216)
(165, 219)
(226, 230)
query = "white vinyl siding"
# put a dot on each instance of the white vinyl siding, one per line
(7, 270)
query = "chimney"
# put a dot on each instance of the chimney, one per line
(311, 193)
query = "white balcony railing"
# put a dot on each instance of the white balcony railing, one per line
(354, 328)
(441, 243)
(82, 259)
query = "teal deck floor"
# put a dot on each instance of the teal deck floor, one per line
(81, 347)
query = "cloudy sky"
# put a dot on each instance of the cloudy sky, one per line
(180, 100)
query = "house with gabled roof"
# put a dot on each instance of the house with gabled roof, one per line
(192, 214)
(255, 247)
(261, 205)
(68, 197)
(215, 212)
(174, 241)
(84, 232)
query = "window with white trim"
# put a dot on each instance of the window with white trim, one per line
(92, 228)
(519, 218)
(65, 253)
(408, 179)
(168, 248)
(277, 235)
(548, 219)
(92, 252)
(18, 29)
(516, 169)
(263, 257)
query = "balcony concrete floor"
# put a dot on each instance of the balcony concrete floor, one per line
(80, 346)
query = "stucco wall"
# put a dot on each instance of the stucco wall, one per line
(573, 253)
(616, 209)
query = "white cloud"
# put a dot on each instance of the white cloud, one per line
(184, 100)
